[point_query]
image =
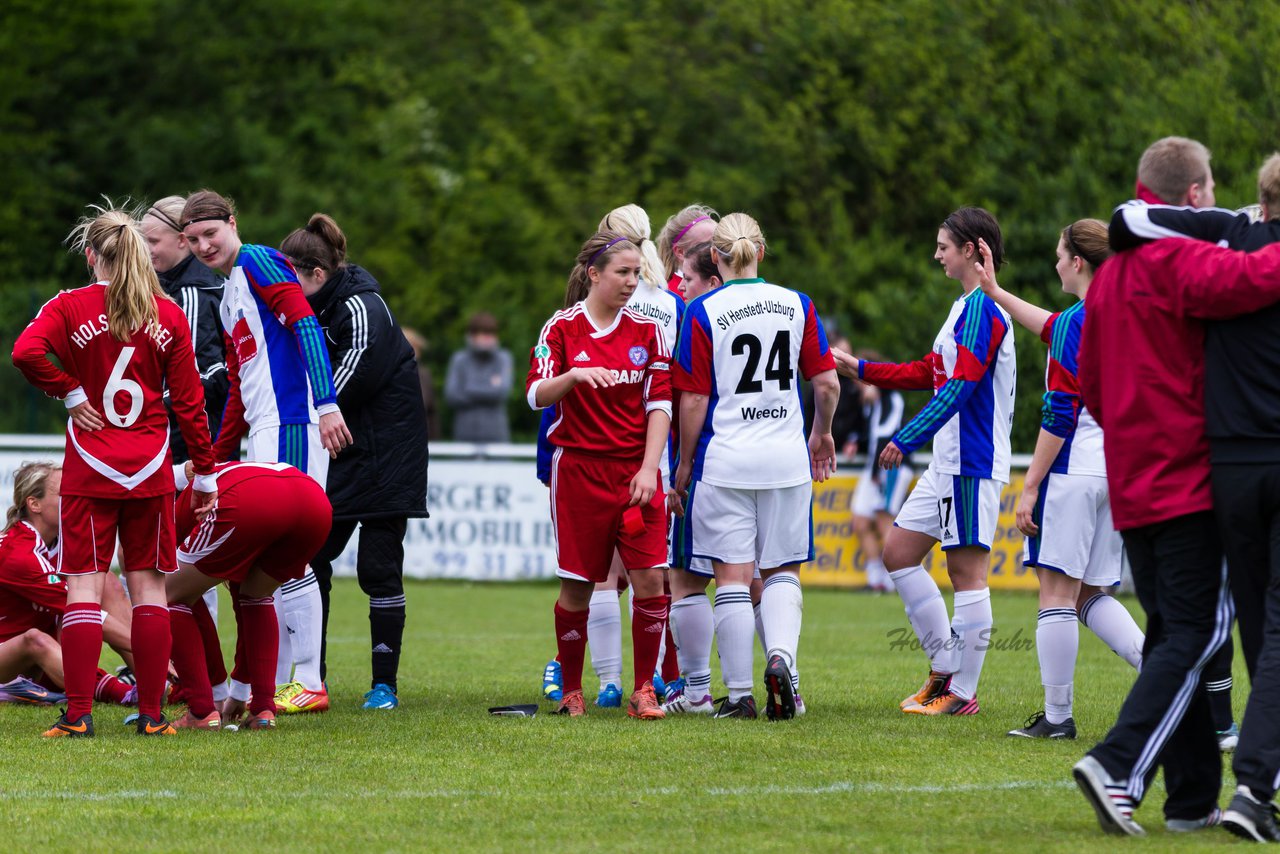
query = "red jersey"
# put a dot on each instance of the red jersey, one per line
(32, 594)
(676, 284)
(125, 382)
(609, 421)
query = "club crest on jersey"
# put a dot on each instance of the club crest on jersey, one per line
(639, 355)
(542, 351)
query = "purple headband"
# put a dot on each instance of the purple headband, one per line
(605, 248)
(676, 242)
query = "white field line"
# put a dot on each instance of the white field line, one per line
(125, 795)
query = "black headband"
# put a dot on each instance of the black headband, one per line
(204, 219)
(161, 215)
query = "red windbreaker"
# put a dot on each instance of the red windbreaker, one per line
(1142, 366)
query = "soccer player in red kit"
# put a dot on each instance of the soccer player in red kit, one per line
(268, 521)
(120, 342)
(606, 370)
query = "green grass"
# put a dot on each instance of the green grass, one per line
(854, 773)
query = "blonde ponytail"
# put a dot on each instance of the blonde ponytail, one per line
(675, 234)
(632, 222)
(29, 481)
(738, 240)
(132, 287)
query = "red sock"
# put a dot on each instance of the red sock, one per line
(261, 635)
(571, 643)
(109, 689)
(189, 660)
(214, 665)
(151, 645)
(670, 662)
(648, 622)
(81, 648)
(239, 665)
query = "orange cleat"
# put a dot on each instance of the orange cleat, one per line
(82, 727)
(945, 703)
(572, 705)
(211, 721)
(935, 684)
(262, 720)
(644, 704)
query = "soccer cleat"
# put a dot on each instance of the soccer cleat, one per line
(294, 699)
(659, 686)
(780, 699)
(81, 727)
(644, 704)
(745, 707)
(125, 675)
(1229, 738)
(799, 705)
(610, 697)
(933, 685)
(572, 704)
(945, 703)
(1189, 825)
(1038, 726)
(211, 721)
(261, 720)
(382, 696)
(23, 690)
(1249, 818)
(1109, 798)
(686, 705)
(551, 682)
(674, 689)
(148, 725)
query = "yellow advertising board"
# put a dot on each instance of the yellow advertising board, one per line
(839, 560)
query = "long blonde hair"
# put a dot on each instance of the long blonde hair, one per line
(633, 223)
(737, 239)
(29, 481)
(675, 233)
(132, 287)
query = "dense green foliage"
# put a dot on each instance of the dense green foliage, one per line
(468, 148)
(852, 774)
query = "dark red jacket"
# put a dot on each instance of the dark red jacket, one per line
(1142, 366)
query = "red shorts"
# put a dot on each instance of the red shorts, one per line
(275, 523)
(588, 497)
(88, 527)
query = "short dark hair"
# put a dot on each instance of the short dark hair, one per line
(971, 224)
(482, 321)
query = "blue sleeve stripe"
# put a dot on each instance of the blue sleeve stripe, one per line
(936, 413)
(1062, 329)
(972, 322)
(269, 266)
(316, 357)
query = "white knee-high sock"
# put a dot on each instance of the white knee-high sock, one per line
(284, 657)
(604, 637)
(972, 627)
(693, 626)
(927, 614)
(782, 609)
(1057, 641)
(304, 612)
(734, 628)
(211, 602)
(1112, 622)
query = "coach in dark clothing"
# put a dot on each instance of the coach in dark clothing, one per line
(1242, 409)
(380, 482)
(198, 292)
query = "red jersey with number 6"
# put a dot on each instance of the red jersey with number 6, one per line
(607, 421)
(124, 381)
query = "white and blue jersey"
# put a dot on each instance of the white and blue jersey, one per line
(972, 372)
(1064, 414)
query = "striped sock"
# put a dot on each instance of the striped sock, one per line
(1057, 642)
(386, 633)
(734, 631)
(781, 611)
(81, 649)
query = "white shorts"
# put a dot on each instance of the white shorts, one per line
(881, 491)
(956, 511)
(768, 527)
(295, 444)
(1077, 537)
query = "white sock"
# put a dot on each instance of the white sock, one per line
(759, 622)
(239, 691)
(1057, 642)
(972, 626)
(1112, 622)
(877, 577)
(284, 656)
(733, 636)
(782, 607)
(304, 613)
(220, 692)
(211, 602)
(927, 614)
(693, 626)
(604, 637)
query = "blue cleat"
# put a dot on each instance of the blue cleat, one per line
(23, 690)
(381, 697)
(551, 683)
(610, 697)
(659, 687)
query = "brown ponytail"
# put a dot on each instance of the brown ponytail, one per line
(596, 252)
(321, 244)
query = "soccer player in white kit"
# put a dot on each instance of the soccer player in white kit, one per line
(1065, 509)
(957, 500)
(744, 472)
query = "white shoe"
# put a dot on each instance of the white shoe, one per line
(686, 705)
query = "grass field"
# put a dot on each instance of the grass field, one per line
(854, 773)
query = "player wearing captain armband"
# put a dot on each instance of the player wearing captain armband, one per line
(957, 500)
(745, 474)
(120, 342)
